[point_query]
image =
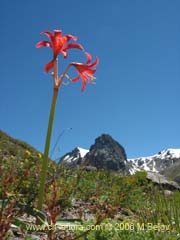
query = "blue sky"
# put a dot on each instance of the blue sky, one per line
(137, 95)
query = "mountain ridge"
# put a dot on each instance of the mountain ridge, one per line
(170, 157)
(105, 153)
(158, 163)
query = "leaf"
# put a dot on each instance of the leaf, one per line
(33, 212)
(18, 223)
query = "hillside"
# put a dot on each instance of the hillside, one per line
(20, 166)
(13, 147)
(126, 204)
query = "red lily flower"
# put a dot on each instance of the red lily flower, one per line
(58, 44)
(86, 71)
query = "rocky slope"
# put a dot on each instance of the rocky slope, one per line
(74, 158)
(158, 162)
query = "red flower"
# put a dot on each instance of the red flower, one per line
(58, 44)
(86, 71)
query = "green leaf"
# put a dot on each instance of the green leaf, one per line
(33, 212)
(18, 223)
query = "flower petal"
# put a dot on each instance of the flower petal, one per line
(94, 63)
(64, 53)
(57, 42)
(83, 84)
(73, 45)
(75, 79)
(85, 71)
(89, 58)
(76, 64)
(90, 71)
(43, 44)
(49, 34)
(57, 33)
(63, 40)
(48, 66)
(69, 36)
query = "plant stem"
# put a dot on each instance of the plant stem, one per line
(48, 141)
(46, 151)
(57, 84)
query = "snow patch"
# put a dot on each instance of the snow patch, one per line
(82, 151)
(66, 157)
(149, 163)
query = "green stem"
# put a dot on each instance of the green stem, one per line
(57, 84)
(46, 151)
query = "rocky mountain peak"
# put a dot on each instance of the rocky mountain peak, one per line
(105, 141)
(107, 153)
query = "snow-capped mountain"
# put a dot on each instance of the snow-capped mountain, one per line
(74, 158)
(107, 153)
(156, 163)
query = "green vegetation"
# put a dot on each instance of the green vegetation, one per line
(103, 204)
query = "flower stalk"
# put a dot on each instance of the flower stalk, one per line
(48, 141)
(59, 45)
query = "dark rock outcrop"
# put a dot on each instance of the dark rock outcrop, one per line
(108, 154)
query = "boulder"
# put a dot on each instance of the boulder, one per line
(161, 180)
